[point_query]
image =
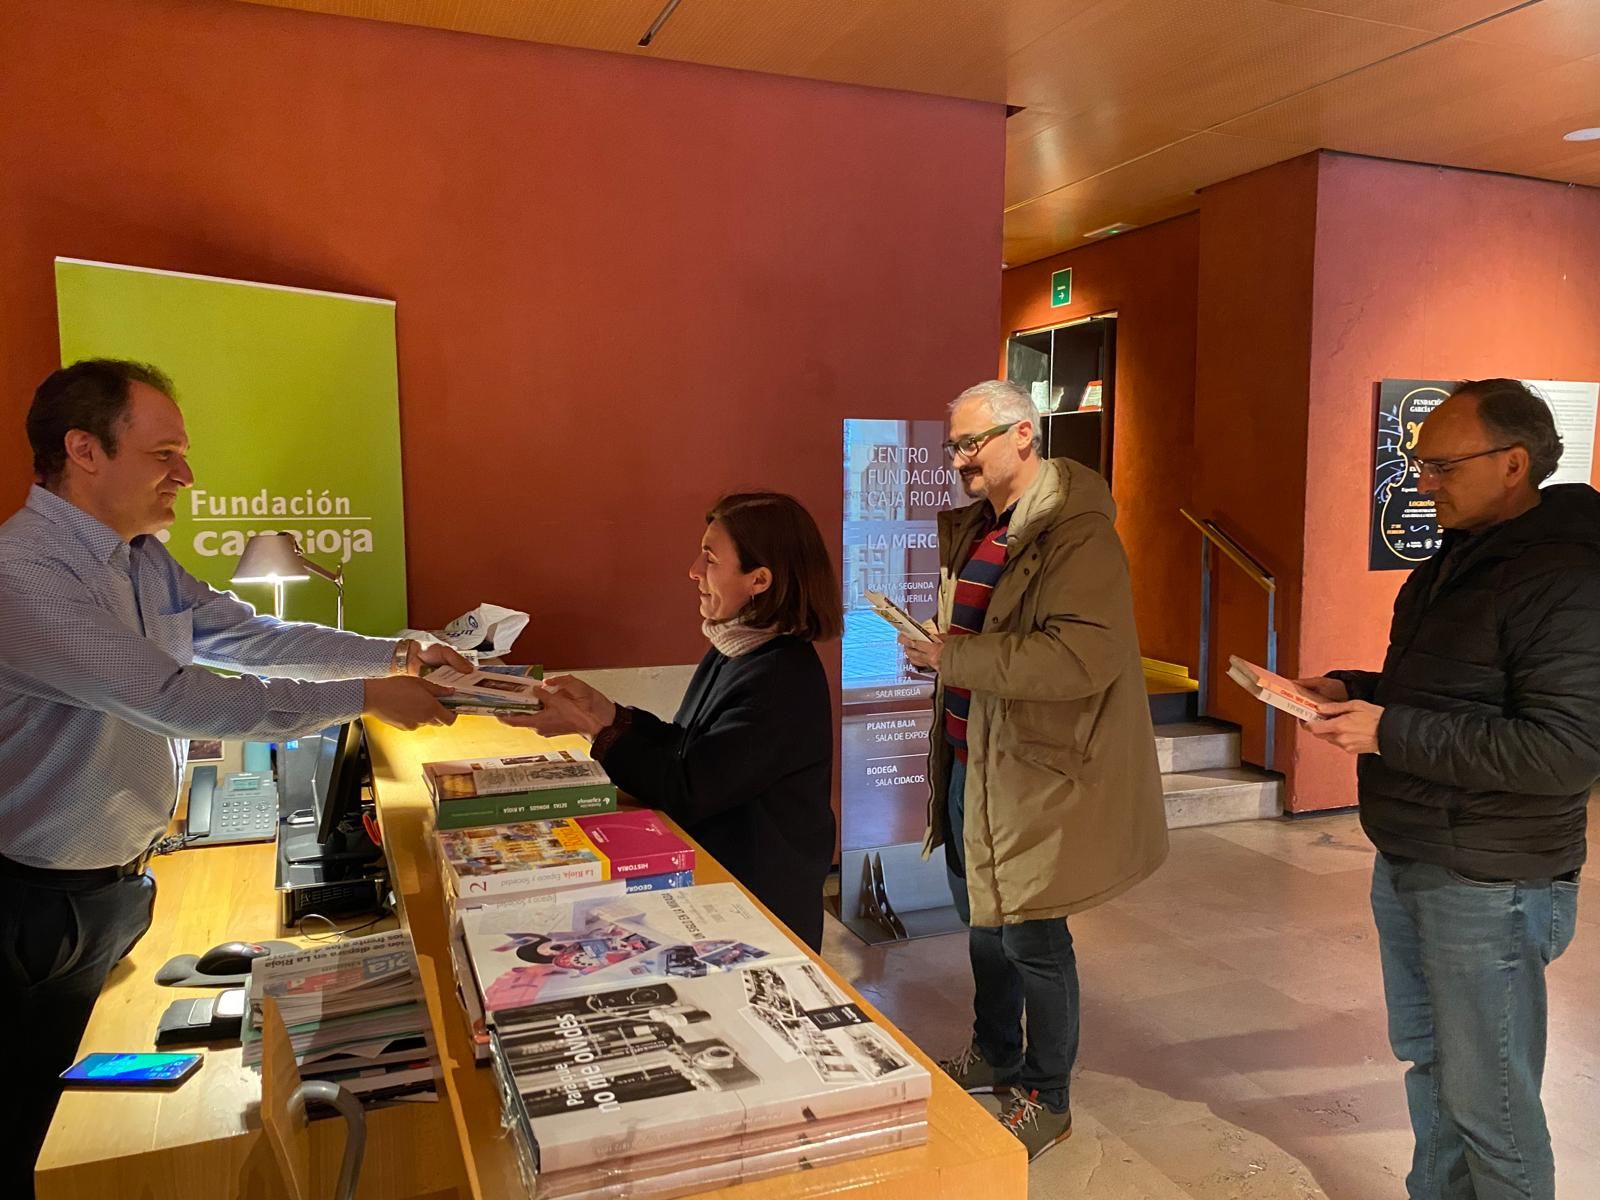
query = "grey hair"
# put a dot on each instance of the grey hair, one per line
(1516, 415)
(1007, 402)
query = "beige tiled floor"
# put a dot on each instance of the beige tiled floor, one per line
(1233, 1028)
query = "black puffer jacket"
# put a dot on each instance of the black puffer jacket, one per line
(1490, 738)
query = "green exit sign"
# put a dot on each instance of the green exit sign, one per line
(1061, 288)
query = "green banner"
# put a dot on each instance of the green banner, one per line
(292, 405)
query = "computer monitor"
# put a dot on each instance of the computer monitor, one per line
(341, 770)
(322, 776)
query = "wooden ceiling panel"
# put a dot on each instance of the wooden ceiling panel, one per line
(1147, 189)
(1076, 147)
(1431, 103)
(1435, 16)
(1194, 64)
(1560, 28)
(1537, 116)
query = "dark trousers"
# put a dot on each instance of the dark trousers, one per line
(58, 942)
(1029, 969)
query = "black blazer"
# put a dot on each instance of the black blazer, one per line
(746, 768)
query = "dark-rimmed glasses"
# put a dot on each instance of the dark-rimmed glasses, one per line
(967, 446)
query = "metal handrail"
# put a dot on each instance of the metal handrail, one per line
(1213, 535)
(1246, 561)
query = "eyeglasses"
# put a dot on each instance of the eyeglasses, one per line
(1443, 466)
(973, 442)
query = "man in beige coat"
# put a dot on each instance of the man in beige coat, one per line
(1045, 790)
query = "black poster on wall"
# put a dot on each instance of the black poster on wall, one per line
(1405, 531)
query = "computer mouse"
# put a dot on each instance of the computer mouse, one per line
(230, 958)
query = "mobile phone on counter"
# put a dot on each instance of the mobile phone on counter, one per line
(133, 1070)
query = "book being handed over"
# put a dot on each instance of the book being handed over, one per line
(488, 691)
(1271, 688)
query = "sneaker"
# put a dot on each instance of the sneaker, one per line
(1035, 1126)
(973, 1073)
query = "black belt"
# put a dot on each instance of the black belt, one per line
(82, 879)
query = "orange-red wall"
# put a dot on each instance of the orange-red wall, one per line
(1421, 273)
(1257, 243)
(1148, 278)
(624, 285)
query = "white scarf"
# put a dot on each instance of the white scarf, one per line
(735, 638)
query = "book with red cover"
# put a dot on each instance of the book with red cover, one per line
(637, 842)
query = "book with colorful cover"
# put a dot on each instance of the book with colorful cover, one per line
(527, 857)
(1272, 688)
(562, 944)
(492, 791)
(637, 842)
(696, 1060)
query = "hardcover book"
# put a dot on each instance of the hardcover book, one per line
(526, 857)
(696, 1060)
(562, 945)
(492, 791)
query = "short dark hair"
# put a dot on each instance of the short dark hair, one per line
(1516, 415)
(91, 395)
(775, 531)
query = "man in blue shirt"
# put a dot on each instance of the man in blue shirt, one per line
(102, 681)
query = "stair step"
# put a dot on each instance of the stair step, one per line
(1197, 746)
(1212, 797)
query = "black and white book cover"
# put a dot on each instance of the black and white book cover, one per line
(695, 1060)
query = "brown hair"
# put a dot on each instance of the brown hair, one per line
(775, 531)
(91, 395)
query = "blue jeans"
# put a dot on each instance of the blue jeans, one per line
(1027, 968)
(1463, 975)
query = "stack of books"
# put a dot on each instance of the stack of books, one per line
(490, 864)
(491, 691)
(355, 1016)
(660, 1043)
(473, 792)
(513, 827)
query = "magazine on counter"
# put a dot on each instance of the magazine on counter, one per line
(567, 944)
(630, 1070)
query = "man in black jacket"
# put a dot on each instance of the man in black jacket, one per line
(1479, 743)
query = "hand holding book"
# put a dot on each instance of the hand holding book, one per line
(570, 706)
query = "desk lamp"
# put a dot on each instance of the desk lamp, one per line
(275, 558)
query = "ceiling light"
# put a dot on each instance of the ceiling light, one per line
(1591, 134)
(1109, 230)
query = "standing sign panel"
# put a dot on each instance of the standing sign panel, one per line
(896, 482)
(292, 406)
(1404, 528)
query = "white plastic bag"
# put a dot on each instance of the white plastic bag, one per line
(485, 632)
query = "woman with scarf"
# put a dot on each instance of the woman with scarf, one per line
(746, 767)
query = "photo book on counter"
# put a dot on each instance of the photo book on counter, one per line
(573, 943)
(709, 1061)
